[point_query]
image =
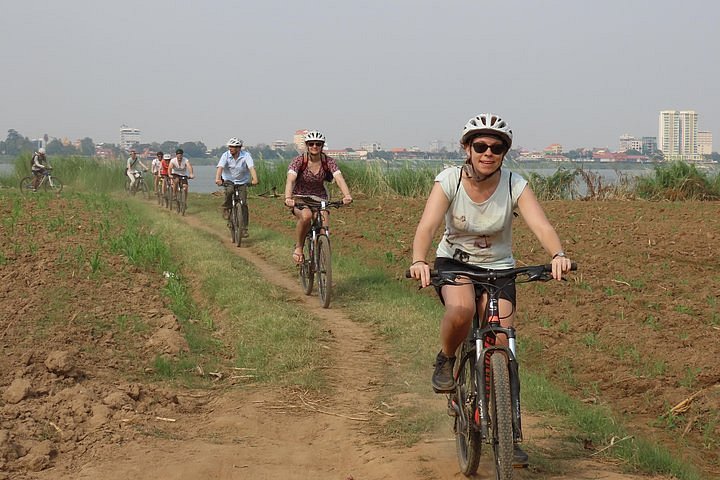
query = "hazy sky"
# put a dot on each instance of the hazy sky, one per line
(398, 72)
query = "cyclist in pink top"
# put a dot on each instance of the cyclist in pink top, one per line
(307, 175)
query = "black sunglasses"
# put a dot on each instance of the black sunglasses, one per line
(315, 144)
(481, 147)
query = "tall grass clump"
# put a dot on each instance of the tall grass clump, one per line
(597, 189)
(558, 186)
(90, 174)
(678, 181)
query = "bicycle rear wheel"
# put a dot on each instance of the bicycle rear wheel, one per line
(501, 417)
(464, 404)
(307, 267)
(26, 185)
(324, 272)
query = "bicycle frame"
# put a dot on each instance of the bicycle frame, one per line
(236, 220)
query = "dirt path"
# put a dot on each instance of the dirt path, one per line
(259, 433)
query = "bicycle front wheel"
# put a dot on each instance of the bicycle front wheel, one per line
(144, 188)
(183, 201)
(54, 184)
(307, 267)
(501, 417)
(236, 225)
(463, 404)
(324, 272)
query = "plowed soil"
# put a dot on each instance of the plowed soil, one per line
(640, 333)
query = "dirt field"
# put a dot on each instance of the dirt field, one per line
(639, 332)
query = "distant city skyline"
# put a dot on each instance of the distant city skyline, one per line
(400, 73)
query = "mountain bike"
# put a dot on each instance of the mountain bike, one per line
(166, 191)
(47, 182)
(316, 251)
(157, 185)
(237, 219)
(180, 194)
(486, 400)
(138, 186)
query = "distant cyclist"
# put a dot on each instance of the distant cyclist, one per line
(164, 171)
(133, 162)
(180, 167)
(38, 166)
(307, 175)
(236, 166)
(155, 169)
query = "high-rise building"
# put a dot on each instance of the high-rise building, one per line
(628, 142)
(704, 143)
(649, 145)
(299, 140)
(129, 137)
(677, 135)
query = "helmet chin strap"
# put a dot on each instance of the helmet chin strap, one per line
(470, 170)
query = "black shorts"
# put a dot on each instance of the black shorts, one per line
(507, 290)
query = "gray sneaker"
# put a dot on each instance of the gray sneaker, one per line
(442, 379)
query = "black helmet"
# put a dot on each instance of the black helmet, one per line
(179, 150)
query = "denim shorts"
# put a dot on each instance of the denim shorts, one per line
(507, 290)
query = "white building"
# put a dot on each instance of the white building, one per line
(129, 137)
(628, 142)
(677, 135)
(371, 147)
(704, 141)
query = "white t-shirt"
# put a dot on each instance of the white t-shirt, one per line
(482, 230)
(178, 168)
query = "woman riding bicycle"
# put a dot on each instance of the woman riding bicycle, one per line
(477, 201)
(307, 175)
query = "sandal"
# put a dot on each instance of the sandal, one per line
(298, 255)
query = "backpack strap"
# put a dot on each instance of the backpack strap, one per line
(323, 164)
(512, 205)
(457, 187)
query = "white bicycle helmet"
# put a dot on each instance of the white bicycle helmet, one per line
(41, 151)
(166, 156)
(314, 136)
(234, 142)
(487, 123)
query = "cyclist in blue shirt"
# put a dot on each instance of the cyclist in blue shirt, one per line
(236, 167)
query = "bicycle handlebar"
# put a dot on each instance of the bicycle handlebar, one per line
(314, 202)
(531, 273)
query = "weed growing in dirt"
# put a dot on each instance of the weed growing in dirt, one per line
(690, 377)
(597, 424)
(652, 322)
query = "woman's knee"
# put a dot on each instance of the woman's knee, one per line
(458, 314)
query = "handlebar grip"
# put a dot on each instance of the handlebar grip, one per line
(548, 267)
